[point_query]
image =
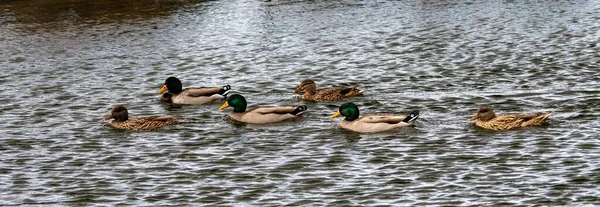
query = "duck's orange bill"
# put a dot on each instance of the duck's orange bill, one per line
(336, 114)
(108, 117)
(225, 105)
(163, 89)
(474, 117)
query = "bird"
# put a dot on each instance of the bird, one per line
(310, 93)
(260, 114)
(373, 123)
(486, 118)
(196, 95)
(122, 121)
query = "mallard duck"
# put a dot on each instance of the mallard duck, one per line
(198, 95)
(371, 124)
(122, 120)
(309, 88)
(261, 114)
(486, 118)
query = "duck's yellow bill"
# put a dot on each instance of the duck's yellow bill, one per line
(336, 114)
(225, 105)
(108, 117)
(163, 89)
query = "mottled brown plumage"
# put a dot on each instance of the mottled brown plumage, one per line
(122, 121)
(486, 118)
(309, 88)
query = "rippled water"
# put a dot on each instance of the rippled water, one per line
(66, 63)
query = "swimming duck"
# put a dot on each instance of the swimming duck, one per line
(122, 120)
(486, 118)
(309, 88)
(261, 114)
(371, 124)
(198, 95)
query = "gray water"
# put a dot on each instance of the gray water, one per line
(66, 63)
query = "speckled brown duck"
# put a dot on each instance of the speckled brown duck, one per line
(122, 121)
(486, 118)
(310, 93)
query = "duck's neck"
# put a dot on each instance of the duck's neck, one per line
(239, 109)
(121, 116)
(309, 91)
(174, 87)
(487, 116)
(175, 90)
(351, 118)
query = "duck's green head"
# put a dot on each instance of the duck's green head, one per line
(173, 85)
(348, 110)
(237, 101)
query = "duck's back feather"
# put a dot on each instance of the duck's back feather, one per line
(513, 121)
(199, 95)
(145, 123)
(265, 114)
(374, 124)
(334, 94)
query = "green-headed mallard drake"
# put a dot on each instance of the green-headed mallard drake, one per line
(309, 88)
(260, 114)
(197, 95)
(486, 118)
(122, 120)
(371, 124)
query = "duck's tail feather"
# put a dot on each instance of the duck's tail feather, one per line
(360, 90)
(299, 110)
(411, 117)
(225, 90)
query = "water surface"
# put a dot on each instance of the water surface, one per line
(66, 63)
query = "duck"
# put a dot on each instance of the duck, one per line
(260, 114)
(486, 118)
(197, 95)
(373, 123)
(310, 93)
(122, 121)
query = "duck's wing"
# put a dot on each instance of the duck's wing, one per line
(502, 122)
(158, 118)
(273, 109)
(349, 92)
(390, 119)
(536, 120)
(267, 115)
(329, 94)
(201, 91)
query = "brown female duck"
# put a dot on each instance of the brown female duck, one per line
(122, 120)
(309, 88)
(486, 118)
